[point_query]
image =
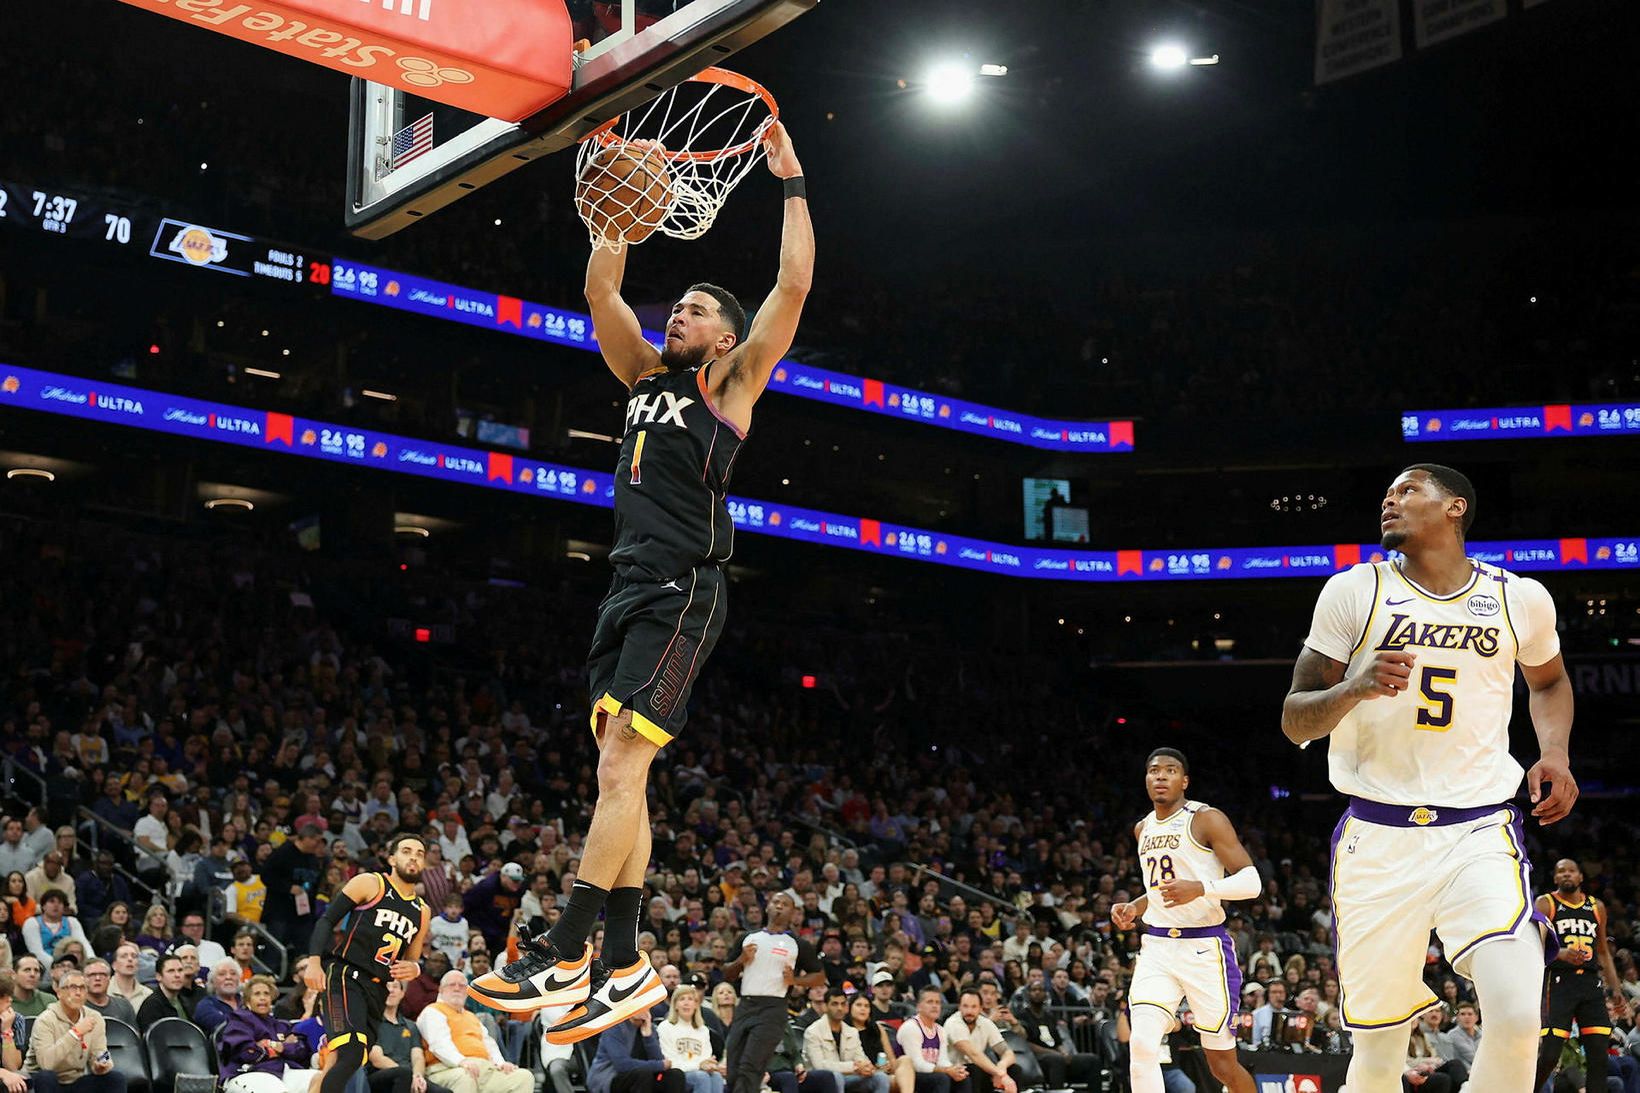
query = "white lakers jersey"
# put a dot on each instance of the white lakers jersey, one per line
(1444, 740)
(1167, 852)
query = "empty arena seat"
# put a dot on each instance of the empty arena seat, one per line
(177, 1049)
(130, 1056)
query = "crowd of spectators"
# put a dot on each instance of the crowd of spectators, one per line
(260, 749)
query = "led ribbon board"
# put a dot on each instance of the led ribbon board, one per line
(1513, 422)
(95, 217)
(116, 404)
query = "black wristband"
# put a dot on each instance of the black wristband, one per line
(795, 187)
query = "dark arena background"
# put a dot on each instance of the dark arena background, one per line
(1108, 362)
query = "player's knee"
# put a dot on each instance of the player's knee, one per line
(1146, 1052)
(1223, 1064)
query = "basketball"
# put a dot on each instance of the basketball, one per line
(624, 192)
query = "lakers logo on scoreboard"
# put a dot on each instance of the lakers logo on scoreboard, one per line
(1423, 817)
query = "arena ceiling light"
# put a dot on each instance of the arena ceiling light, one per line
(1170, 56)
(412, 529)
(950, 81)
(954, 81)
(32, 472)
(385, 396)
(240, 503)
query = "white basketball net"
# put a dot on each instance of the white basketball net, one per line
(669, 166)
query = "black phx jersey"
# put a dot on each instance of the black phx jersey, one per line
(1574, 1000)
(376, 933)
(676, 455)
(666, 605)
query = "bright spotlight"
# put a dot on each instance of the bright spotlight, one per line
(1169, 56)
(950, 82)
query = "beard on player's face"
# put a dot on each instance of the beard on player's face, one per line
(1392, 540)
(1567, 886)
(683, 357)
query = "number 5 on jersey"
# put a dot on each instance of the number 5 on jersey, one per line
(1435, 709)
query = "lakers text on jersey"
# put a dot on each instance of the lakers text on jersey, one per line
(1186, 953)
(1444, 741)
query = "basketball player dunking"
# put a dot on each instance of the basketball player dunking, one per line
(1192, 861)
(384, 924)
(688, 410)
(1573, 1001)
(1410, 666)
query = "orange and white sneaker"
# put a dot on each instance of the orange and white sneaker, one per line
(540, 977)
(616, 995)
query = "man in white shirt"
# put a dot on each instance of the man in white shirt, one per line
(151, 835)
(1018, 946)
(969, 1034)
(463, 1055)
(832, 1044)
(922, 1040)
(452, 840)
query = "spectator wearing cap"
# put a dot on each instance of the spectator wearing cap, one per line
(928, 972)
(489, 905)
(42, 931)
(831, 959)
(885, 1005)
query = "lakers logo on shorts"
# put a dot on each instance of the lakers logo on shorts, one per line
(1174, 932)
(1423, 817)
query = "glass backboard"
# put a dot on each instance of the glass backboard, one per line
(409, 156)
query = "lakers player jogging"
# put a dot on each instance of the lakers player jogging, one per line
(1192, 861)
(688, 410)
(1410, 666)
(383, 926)
(1572, 996)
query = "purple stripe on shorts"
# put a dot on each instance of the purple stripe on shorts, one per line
(1232, 983)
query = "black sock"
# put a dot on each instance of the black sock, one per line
(621, 926)
(569, 936)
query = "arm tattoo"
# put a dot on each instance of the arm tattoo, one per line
(1311, 711)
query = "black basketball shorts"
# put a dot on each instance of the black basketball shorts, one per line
(1574, 1003)
(651, 641)
(354, 1001)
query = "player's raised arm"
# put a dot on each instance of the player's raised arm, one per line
(775, 324)
(620, 335)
